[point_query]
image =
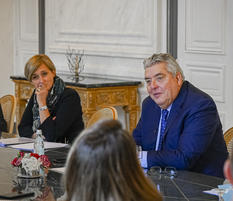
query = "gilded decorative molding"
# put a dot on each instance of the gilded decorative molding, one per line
(26, 91)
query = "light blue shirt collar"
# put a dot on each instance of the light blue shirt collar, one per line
(168, 108)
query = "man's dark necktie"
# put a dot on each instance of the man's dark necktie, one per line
(162, 128)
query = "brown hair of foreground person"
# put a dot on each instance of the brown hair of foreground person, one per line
(102, 165)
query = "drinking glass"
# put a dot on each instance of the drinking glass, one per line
(168, 171)
(155, 171)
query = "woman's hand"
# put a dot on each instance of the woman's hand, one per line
(41, 95)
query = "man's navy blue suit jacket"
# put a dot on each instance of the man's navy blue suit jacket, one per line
(193, 138)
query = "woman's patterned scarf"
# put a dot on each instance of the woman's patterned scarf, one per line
(52, 99)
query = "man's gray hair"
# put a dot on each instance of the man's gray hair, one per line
(172, 65)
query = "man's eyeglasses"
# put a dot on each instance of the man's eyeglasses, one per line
(168, 171)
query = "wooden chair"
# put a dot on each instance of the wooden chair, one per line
(8, 104)
(228, 137)
(104, 113)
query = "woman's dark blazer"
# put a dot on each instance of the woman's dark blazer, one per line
(63, 124)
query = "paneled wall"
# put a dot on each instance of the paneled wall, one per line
(205, 50)
(117, 35)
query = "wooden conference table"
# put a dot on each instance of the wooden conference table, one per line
(186, 186)
(94, 93)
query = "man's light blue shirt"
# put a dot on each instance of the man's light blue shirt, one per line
(143, 159)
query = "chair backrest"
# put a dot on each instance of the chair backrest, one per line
(8, 104)
(228, 137)
(104, 113)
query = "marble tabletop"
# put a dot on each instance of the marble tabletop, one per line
(185, 186)
(90, 82)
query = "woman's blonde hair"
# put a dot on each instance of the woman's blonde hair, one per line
(35, 62)
(102, 165)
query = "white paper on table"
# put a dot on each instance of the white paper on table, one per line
(227, 188)
(213, 191)
(59, 170)
(12, 141)
(29, 146)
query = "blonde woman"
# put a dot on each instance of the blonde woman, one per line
(53, 108)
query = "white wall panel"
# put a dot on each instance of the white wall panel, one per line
(28, 11)
(26, 33)
(205, 38)
(115, 35)
(205, 26)
(123, 28)
(23, 56)
(209, 77)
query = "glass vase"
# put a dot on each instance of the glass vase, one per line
(28, 174)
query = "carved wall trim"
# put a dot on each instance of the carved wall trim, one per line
(27, 13)
(205, 26)
(22, 58)
(210, 77)
(123, 39)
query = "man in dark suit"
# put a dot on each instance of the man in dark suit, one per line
(179, 124)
